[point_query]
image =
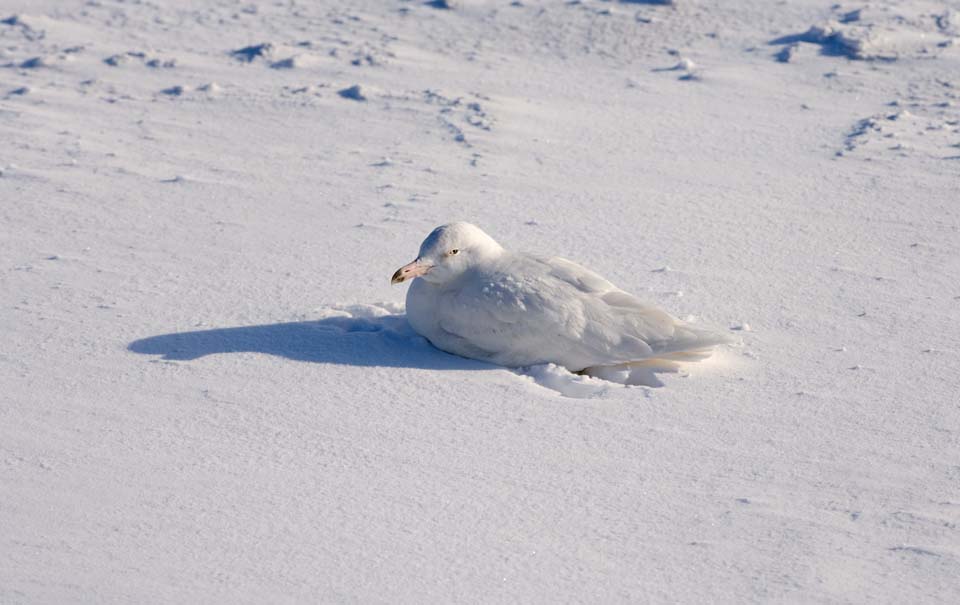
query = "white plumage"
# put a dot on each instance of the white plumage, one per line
(475, 299)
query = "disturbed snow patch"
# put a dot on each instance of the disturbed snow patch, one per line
(600, 380)
(921, 29)
(249, 54)
(120, 59)
(688, 70)
(565, 382)
(931, 129)
(354, 93)
(312, 53)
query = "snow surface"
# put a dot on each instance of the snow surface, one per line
(209, 393)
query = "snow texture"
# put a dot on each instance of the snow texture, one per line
(202, 403)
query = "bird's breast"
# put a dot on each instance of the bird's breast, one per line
(422, 298)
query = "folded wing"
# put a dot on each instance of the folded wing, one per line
(535, 310)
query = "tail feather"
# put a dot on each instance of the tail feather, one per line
(688, 339)
(693, 344)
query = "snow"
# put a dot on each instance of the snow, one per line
(202, 399)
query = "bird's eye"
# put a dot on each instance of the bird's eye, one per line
(454, 251)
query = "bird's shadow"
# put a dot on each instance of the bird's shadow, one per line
(364, 336)
(383, 340)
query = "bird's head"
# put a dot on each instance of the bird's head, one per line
(447, 252)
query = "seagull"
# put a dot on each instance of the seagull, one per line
(471, 297)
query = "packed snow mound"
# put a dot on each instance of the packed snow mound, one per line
(879, 33)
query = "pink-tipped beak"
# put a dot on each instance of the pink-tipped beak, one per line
(409, 271)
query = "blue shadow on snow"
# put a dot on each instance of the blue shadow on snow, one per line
(359, 341)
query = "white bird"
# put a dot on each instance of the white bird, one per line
(475, 299)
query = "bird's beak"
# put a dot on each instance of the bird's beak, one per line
(409, 271)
